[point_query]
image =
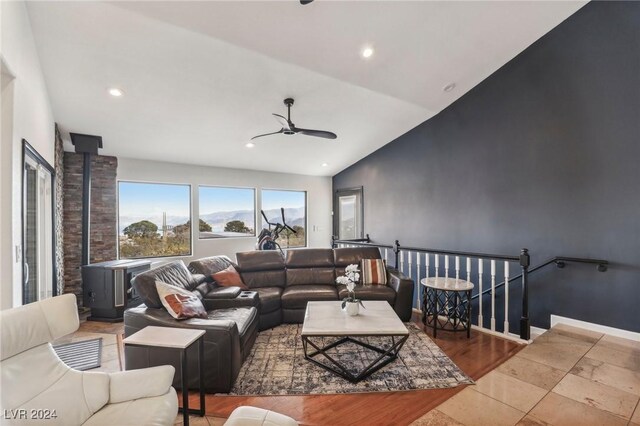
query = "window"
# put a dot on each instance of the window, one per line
(295, 215)
(154, 220)
(227, 212)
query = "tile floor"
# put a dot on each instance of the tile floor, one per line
(567, 376)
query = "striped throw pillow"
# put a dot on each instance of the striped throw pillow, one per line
(373, 271)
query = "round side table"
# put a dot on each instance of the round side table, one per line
(446, 304)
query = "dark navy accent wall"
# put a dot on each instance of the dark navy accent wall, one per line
(543, 154)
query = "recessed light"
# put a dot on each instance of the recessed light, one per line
(250, 145)
(114, 91)
(367, 52)
(449, 87)
(325, 164)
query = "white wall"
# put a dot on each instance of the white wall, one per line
(28, 113)
(319, 197)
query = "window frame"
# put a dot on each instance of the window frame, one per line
(191, 239)
(306, 212)
(255, 212)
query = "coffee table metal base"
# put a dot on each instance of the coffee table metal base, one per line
(386, 356)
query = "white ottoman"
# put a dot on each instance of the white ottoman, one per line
(253, 416)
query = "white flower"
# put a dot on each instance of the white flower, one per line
(351, 268)
(350, 277)
(343, 280)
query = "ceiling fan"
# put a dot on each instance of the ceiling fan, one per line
(288, 128)
(303, 2)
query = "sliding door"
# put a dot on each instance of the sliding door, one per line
(38, 275)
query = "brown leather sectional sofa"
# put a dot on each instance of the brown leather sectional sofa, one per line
(286, 285)
(231, 327)
(279, 291)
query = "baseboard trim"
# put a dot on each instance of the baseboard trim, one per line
(510, 336)
(618, 332)
(536, 331)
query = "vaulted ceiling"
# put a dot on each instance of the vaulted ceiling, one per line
(201, 78)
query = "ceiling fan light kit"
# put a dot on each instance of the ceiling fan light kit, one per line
(288, 128)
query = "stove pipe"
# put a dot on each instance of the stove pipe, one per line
(86, 145)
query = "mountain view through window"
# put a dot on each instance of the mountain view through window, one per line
(153, 220)
(226, 212)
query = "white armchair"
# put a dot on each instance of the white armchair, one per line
(36, 387)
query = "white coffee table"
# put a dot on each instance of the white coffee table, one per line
(326, 319)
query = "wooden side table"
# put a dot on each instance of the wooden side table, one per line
(447, 304)
(180, 339)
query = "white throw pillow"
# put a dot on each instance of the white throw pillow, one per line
(180, 303)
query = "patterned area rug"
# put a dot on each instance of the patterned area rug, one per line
(276, 366)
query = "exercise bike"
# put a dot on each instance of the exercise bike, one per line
(268, 237)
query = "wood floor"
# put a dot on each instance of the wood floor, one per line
(475, 356)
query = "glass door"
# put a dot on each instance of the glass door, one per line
(38, 276)
(348, 208)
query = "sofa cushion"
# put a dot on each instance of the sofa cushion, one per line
(309, 258)
(370, 292)
(256, 280)
(157, 410)
(345, 256)
(296, 297)
(245, 319)
(208, 266)
(262, 269)
(269, 298)
(306, 276)
(310, 266)
(257, 260)
(173, 273)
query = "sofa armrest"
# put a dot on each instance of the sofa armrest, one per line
(143, 383)
(219, 292)
(254, 416)
(230, 297)
(403, 287)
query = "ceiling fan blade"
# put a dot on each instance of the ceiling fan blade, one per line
(268, 134)
(316, 133)
(283, 121)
